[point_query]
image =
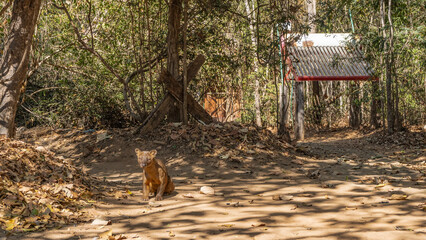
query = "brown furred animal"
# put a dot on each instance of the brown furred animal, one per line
(155, 177)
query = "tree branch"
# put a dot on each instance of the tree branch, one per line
(3, 10)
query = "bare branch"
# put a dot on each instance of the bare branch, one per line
(3, 10)
(38, 64)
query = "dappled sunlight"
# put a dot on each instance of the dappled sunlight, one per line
(337, 186)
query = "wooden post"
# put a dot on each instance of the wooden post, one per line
(175, 89)
(175, 95)
(299, 125)
(284, 110)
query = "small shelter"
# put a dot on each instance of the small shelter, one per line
(322, 57)
(327, 57)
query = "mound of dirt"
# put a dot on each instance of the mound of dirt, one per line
(415, 137)
(39, 189)
(219, 138)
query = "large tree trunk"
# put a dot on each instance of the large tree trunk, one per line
(14, 61)
(175, 10)
(185, 68)
(316, 87)
(388, 59)
(251, 13)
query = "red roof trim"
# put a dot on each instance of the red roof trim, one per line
(335, 78)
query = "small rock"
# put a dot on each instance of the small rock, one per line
(287, 197)
(207, 190)
(100, 222)
(188, 195)
(154, 204)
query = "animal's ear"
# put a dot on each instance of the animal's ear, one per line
(137, 151)
(153, 153)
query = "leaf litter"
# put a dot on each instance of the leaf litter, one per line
(40, 190)
(227, 141)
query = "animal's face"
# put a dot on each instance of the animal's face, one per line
(145, 157)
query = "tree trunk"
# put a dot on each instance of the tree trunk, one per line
(316, 103)
(394, 114)
(311, 7)
(14, 61)
(299, 123)
(388, 53)
(374, 104)
(285, 108)
(251, 16)
(354, 106)
(185, 68)
(316, 88)
(175, 9)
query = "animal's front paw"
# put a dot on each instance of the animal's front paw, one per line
(158, 198)
(146, 199)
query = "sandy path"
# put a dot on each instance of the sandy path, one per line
(337, 187)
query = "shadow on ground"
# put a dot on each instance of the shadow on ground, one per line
(337, 185)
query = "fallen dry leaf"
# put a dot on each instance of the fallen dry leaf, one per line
(398, 197)
(277, 197)
(259, 225)
(11, 224)
(380, 185)
(106, 234)
(227, 225)
(118, 194)
(39, 189)
(351, 208)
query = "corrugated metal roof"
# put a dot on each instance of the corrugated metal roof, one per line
(328, 63)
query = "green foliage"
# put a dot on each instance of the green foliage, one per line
(70, 86)
(408, 56)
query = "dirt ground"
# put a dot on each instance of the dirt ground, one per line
(341, 184)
